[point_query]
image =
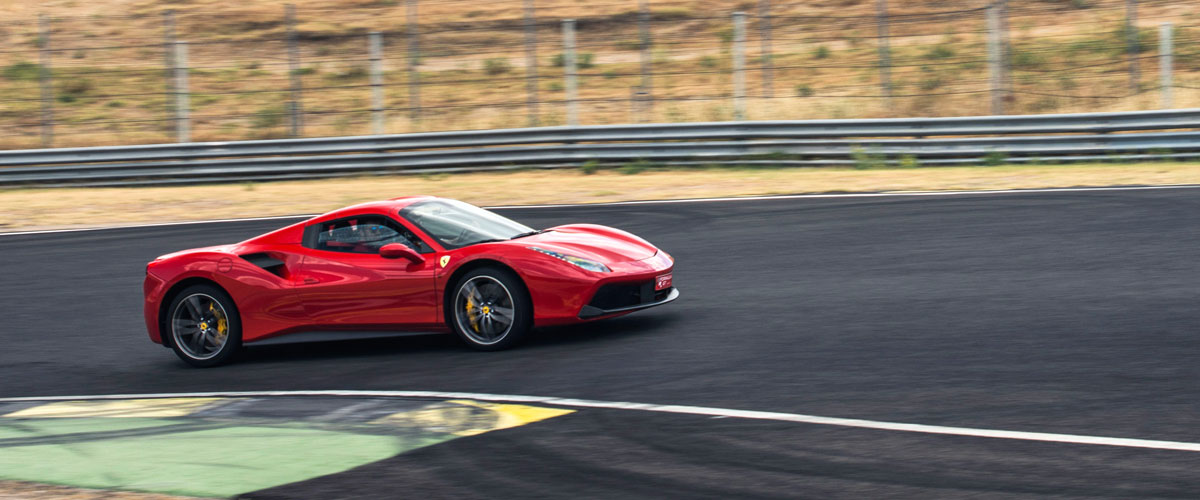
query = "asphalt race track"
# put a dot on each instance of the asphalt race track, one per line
(1059, 312)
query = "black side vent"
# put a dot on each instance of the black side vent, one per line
(270, 264)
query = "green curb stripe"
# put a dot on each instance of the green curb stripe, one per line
(206, 456)
(218, 462)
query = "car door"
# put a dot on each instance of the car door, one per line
(344, 282)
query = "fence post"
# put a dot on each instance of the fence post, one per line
(183, 126)
(375, 50)
(531, 70)
(739, 66)
(885, 52)
(768, 63)
(1006, 84)
(297, 111)
(1131, 32)
(994, 59)
(569, 70)
(644, 41)
(169, 65)
(46, 80)
(414, 83)
(1165, 64)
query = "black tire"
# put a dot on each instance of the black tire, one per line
(209, 342)
(501, 320)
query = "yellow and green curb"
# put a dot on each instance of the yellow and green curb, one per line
(222, 447)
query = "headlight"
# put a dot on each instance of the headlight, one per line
(588, 264)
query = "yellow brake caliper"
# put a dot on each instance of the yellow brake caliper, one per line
(471, 315)
(222, 324)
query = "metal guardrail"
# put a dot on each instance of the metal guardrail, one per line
(966, 140)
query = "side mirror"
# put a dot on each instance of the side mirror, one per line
(401, 251)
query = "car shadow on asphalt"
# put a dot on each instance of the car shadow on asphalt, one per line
(598, 332)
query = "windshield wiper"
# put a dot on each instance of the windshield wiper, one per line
(530, 233)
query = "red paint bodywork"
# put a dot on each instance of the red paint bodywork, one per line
(320, 290)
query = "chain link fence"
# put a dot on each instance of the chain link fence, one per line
(263, 72)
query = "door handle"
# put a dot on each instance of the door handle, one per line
(311, 281)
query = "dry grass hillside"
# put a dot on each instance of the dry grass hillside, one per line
(109, 86)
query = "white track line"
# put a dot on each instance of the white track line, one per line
(663, 202)
(676, 409)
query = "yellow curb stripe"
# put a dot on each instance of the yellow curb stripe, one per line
(131, 408)
(510, 415)
(463, 417)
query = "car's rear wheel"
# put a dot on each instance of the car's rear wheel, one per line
(204, 326)
(490, 309)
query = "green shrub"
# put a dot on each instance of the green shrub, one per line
(909, 161)
(1022, 59)
(708, 62)
(867, 159)
(670, 13)
(930, 83)
(268, 117)
(23, 70)
(1144, 40)
(583, 60)
(939, 52)
(995, 158)
(635, 167)
(629, 45)
(496, 66)
(307, 70)
(589, 167)
(803, 90)
(76, 86)
(821, 52)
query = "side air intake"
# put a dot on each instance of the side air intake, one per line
(268, 263)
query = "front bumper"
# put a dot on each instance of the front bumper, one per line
(644, 299)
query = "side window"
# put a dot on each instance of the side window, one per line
(364, 234)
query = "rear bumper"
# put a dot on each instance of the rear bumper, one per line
(590, 311)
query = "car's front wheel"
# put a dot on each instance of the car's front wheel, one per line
(490, 309)
(204, 326)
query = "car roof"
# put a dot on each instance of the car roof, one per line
(382, 206)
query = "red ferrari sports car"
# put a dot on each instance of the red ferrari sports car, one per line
(407, 265)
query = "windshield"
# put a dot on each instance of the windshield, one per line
(455, 224)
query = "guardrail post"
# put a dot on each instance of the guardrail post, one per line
(45, 79)
(644, 42)
(768, 63)
(531, 70)
(994, 52)
(569, 71)
(414, 59)
(169, 66)
(297, 111)
(739, 66)
(183, 126)
(1165, 63)
(885, 52)
(1132, 44)
(375, 49)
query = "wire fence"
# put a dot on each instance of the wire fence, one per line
(267, 72)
